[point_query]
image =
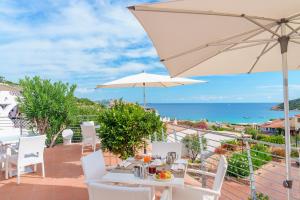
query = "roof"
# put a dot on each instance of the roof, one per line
(277, 123)
(7, 87)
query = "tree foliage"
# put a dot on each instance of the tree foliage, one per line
(49, 106)
(293, 105)
(258, 135)
(192, 143)
(125, 126)
(3, 80)
(87, 107)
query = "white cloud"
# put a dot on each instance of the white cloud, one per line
(62, 39)
(84, 90)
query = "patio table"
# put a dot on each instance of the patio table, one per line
(6, 140)
(125, 175)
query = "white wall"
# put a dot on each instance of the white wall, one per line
(8, 101)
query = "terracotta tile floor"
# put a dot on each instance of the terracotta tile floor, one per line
(64, 179)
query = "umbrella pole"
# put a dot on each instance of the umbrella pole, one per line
(144, 89)
(283, 40)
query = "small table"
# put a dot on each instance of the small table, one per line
(6, 140)
(126, 176)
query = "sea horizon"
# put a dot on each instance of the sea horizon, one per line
(240, 112)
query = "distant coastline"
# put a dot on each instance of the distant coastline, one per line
(220, 112)
(293, 104)
(277, 108)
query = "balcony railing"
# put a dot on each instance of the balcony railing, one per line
(266, 179)
(256, 176)
(250, 180)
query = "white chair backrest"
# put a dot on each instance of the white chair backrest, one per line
(162, 148)
(31, 149)
(99, 191)
(89, 123)
(93, 166)
(88, 131)
(221, 172)
(67, 132)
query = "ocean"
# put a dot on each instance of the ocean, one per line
(220, 112)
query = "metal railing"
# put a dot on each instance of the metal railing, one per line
(75, 126)
(18, 123)
(241, 182)
(259, 174)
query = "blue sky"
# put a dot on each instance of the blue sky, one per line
(94, 41)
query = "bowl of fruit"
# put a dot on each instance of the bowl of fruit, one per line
(163, 176)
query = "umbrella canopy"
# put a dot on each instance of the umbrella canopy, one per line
(240, 36)
(209, 37)
(148, 80)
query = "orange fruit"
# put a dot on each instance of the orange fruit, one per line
(162, 175)
(147, 159)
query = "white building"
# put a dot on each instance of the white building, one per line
(8, 111)
(296, 122)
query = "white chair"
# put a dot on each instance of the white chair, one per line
(99, 191)
(93, 166)
(3, 159)
(197, 193)
(29, 152)
(67, 135)
(89, 136)
(162, 148)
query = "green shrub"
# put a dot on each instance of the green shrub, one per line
(260, 155)
(87, 107)
(49, 106)
(238, 165)
(125, 126)
(218, 128)
(192, 143)
(294, 154)
(277, 139)
(260, 196)
(251, 131)
(261, 136)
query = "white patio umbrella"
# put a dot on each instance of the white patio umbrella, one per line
(211, 37)
(148, 80)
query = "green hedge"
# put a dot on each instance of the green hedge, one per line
(258, 135)
(277, 139)
(238, 165)
(260, 155)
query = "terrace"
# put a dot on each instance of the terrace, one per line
(65, 180)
